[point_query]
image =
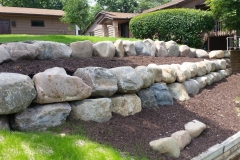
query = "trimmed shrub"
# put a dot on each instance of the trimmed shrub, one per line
(185, 26)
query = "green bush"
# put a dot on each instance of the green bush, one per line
(185, 26)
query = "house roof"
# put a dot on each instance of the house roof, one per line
(116, 15)
(167, 5)
(31, 11)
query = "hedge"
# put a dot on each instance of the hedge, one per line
(185, 26)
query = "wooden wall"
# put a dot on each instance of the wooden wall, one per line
(235, 61)
(52, 25)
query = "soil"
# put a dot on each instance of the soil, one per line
(214, 106)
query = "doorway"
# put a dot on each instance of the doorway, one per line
(5, 27)
(124, 30)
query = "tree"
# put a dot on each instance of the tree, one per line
(126, 6)
(228, 12)
(75, 13)
(144, 5)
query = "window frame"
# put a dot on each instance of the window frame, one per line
(38, 21)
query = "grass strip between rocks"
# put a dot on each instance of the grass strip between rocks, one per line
(67, 39)
(49, 145)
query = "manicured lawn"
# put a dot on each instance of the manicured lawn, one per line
(56, 38)
(48, 146)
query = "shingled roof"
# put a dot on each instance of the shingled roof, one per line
(167, 5)
(31, 11)
(116, 15)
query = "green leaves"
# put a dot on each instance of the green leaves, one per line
(185, 26)
(75, 12)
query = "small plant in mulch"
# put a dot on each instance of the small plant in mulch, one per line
(237, 102)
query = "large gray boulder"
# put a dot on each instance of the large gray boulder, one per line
(200, 53)
(161, 50)
(178, 91)
(202, 81)
(150, 46)
(104, 49)
(172, 48)
(169, 75)
(17, 92)
(222, 73)
(216, 76)
(157, 72)
(129, 48)
(141, 48)
(157, 94)
(126, 104)
(191, 86)
(168, 146)
(183, 138)
(184, 51)
(147, 98)
(4, 55)
(20, 50)
(201, 66)
(210, 78)
(195, 128)
(40, 117)
(216, 54)
(52, 50)
(147, 75)
(97, 110)
(192, 67)
(162, 94)
(82, 49)
(101, 80)
(119, 48)
(4, 122)
(52, 87)
(128, 81)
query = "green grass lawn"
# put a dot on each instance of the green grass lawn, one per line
(52, 146)
(56, 38)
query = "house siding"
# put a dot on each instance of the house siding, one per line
(52, 25)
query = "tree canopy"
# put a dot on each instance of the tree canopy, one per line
(227, 11)
(76, 12)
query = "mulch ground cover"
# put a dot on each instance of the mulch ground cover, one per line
(214, 106)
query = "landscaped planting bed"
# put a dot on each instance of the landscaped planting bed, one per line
(214, 105)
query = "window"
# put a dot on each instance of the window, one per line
(14, 24)
(91, 33)
(37, 23)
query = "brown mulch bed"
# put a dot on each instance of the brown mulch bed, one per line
(214, 106)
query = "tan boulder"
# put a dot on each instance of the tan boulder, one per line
(195, 128)
(126, 104)
(183, 138)
(168, 146)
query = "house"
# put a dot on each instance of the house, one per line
(110, 24)
(18, 20)
(115, 24)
